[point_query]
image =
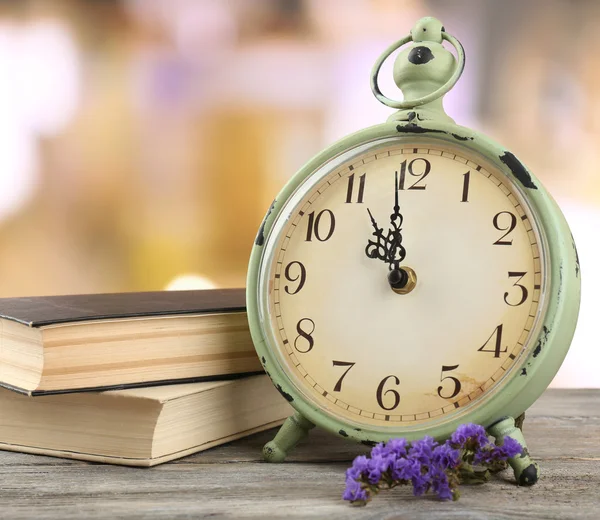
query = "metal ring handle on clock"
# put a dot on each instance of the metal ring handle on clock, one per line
(407, 104)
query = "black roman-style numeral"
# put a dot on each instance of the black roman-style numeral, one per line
(465, 190)
(317, 226)
(307, 342)
(405, 166)
(338, 385)
(511, 220)
(457, 385)
(300, 277)
(361, 189)
(394, 393)
(524, 291)
(497, 343)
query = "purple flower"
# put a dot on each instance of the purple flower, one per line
(426, 464)
(378, 464)
(469, 432)
(486, 456)
(509, 448)
(354, 491)
(423, 450)
(439, 483)
(406, 469)
(444, 456)
(359, 466)
(397, 446)
(379, 449)
(420, 485)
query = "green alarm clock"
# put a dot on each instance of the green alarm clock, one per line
(413, 276)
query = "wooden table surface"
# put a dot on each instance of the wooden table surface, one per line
(231, 481)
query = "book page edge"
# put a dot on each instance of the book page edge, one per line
(149, 462)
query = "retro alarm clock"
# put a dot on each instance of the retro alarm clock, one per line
(413, 276)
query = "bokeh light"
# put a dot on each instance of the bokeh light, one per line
(142, 141)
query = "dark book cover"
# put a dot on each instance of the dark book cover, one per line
(49, 310)
(126, 386)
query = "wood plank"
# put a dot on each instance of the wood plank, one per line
(567, 403)
(269, 491)
(231, 481)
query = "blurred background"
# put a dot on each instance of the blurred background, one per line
(141, 141)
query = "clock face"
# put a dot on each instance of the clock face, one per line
(459, 242)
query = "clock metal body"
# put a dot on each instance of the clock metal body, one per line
(541, 302)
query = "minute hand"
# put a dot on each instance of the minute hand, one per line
(395, 250)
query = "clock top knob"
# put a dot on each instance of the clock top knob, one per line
(424, 71)
(428, 29)
(425, 65)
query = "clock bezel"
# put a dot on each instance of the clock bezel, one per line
(562, 290)
(278, 237)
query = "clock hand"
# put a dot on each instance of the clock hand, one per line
(377, 249)
(396, 251)
(389, 248)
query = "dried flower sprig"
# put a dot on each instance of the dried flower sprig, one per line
(467, 457)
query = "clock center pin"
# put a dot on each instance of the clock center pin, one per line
(402, 280)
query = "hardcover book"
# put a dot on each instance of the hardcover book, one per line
(140, 426)
(55, 344)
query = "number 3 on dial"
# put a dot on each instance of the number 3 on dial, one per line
(524, 291)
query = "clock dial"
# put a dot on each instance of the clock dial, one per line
(404, 284)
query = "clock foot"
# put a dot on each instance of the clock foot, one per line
(526, 471)
(519, 421)
(294, 429)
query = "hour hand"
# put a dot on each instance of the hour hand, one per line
(377, 249)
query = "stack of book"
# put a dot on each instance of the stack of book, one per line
(131, 378)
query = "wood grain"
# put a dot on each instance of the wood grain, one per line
(231, 481)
